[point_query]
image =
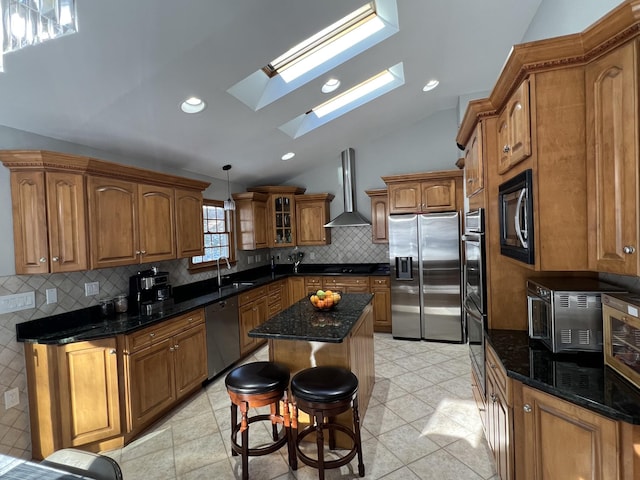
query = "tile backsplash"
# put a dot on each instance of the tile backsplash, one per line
(349, 245)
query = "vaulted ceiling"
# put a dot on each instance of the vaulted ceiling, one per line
(118, 83)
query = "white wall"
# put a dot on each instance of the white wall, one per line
(562, 17)
(428, 145)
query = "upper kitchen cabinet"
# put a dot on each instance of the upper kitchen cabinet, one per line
(473, 167)
(514, 129)
(49, 222)
(379, 215)
(129, 223)
(281, 210)
(612, 155)
(72, 212)
(312, 214)
(251, 220)
(425, 192)
(189, 224)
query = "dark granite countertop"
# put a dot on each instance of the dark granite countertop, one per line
(580, 378)
(89, 324)
(302, 322)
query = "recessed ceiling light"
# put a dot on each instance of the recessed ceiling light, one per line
(431, 84)
(193, 105)
(288, 156)
(330, 85)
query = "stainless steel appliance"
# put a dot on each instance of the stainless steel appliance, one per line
(424, 253)
(223, 335)
(475, 294)
(565, 313)
(149, 291)
(515, 203)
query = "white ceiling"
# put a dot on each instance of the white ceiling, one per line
(118, 83)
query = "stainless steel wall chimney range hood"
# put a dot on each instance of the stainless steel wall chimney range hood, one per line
(350, 217)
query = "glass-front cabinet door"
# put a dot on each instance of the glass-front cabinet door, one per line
(281, 222)
(284, 218)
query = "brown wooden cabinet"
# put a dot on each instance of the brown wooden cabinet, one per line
(73, 395)
(251, 220)
(276, 297)
(162, 363)
(499, 415)
(49, 222)
(473, 163)
(346, 284)
(296, 289)
(425, 192)
(73, 212)
(379, 215)
(381, 289)
(562, 440)
(613, 161)
(281, 214)
(189, 225)
(312, 284)
(129, 222)
(514, 129)
(312, 214)
(252, 312)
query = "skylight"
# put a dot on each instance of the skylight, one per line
(326, 44)
(321, 52)
(356, 96)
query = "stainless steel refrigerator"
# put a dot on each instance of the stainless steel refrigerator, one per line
(424, 256)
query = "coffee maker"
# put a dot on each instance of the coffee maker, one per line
(149, 291)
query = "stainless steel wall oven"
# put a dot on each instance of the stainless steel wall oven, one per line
(475, 291)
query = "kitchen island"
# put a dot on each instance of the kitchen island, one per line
(301, 337)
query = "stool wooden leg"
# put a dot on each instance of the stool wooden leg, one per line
(234, 422)
(244, 428)
(320, 442)
(356, 431)
(293, 446)
(274, 425)
(332, 434)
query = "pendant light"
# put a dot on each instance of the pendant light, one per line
(229, 204)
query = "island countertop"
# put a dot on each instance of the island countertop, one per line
(302, 322)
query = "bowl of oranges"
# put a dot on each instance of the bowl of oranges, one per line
(325, 300)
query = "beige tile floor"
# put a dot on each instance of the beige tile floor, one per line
(421, 423)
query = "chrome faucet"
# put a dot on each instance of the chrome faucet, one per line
(218, 266)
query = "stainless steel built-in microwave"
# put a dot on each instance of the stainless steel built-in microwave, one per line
(515, 201)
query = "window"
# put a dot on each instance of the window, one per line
(218, 236)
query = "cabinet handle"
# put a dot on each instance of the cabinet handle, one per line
(43, 259)
(137, 252)
(506, 149)
(628, 249)
(112, 351)
(171, 349)
(152, 334)
(176, 346)
(55, 259)
(493, 397)
(493, 366)
(190, 319)
(527, 408)
(143, 252)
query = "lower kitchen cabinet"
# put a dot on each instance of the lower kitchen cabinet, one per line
(252, 311)
(276, 297)
(499, 427)
(346, 284)
(73, 395)
(162, 364)
(562, 440)
(381, 289)
(296, 290)
(480, 399)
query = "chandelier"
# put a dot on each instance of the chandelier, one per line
(229, 204)
(29, 22)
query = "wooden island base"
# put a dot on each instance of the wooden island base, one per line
(355, 352)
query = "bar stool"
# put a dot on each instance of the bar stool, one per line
(255, 385)
(323, 393)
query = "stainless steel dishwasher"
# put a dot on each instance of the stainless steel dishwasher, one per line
(223, 335)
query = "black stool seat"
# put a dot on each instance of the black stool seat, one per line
(257, 377)
(324, 393)
(255, 385)
(324, 384)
